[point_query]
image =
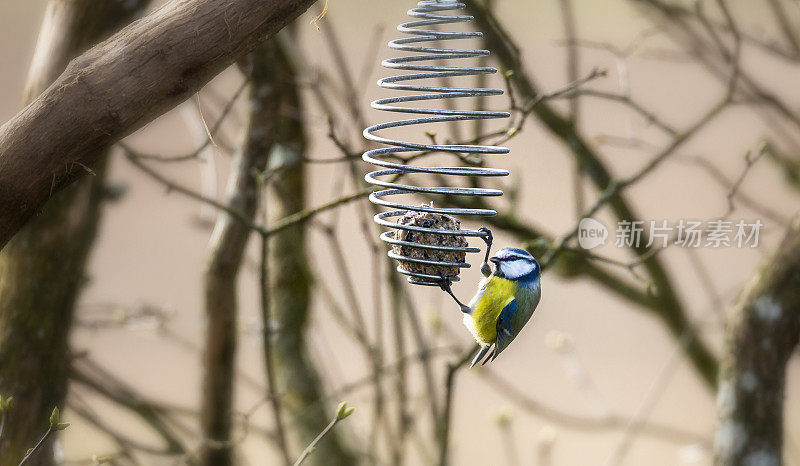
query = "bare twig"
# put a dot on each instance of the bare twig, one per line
(750, 160)
(229, 106)
(789, 33)
(277, 227)
(54, 426)
(266, 322)
(738, 195)
(31, 452)
(657, 388)
(447, 411)
(92, 376)
(342, 413)
(648, 115)
(616, 187)
(401, 378)
(81, 409)
(582, 423)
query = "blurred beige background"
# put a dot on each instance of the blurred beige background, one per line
(151, 249)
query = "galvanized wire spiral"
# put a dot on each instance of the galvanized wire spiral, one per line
(429, 13)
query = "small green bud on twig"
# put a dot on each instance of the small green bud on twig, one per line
(559, 342)
(546, 437)
(97, 460)
(503, 418)
(343, 412)
(55, 420)
(55, 416)
(5, 403)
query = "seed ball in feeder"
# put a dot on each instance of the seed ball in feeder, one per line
(437, 222)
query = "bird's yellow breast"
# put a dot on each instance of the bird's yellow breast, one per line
(485, 311)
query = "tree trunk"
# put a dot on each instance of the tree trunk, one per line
(762, 332)
(227, 247)
(299, 385)
(117, 87)
(42, 269)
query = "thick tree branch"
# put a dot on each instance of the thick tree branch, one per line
(138, 74)
(667, 305)
(762, 333)
(227, 248)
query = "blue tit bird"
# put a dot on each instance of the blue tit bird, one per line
(504, 303)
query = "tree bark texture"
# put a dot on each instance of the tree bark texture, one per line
(42, 269)
(299, 385)
(762, 332)
(227, 247)
(113, 89)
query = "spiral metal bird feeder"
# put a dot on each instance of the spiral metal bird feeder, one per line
(427, 240)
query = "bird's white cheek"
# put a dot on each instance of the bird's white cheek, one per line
(517, 269)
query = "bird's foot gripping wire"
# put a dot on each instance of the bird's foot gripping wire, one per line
(487, 237)
(445, 286)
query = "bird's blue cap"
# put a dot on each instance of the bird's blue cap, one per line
(508, 253)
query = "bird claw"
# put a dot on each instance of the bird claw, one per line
(446, 285)
(488, 238)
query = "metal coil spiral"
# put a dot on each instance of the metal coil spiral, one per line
(429, 14)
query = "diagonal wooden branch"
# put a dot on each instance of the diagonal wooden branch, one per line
(118, 86)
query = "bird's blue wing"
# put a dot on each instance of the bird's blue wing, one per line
(505, 332)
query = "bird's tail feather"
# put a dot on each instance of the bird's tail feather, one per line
(481, 353)
(491, 355)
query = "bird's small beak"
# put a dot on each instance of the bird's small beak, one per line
(494, 260)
